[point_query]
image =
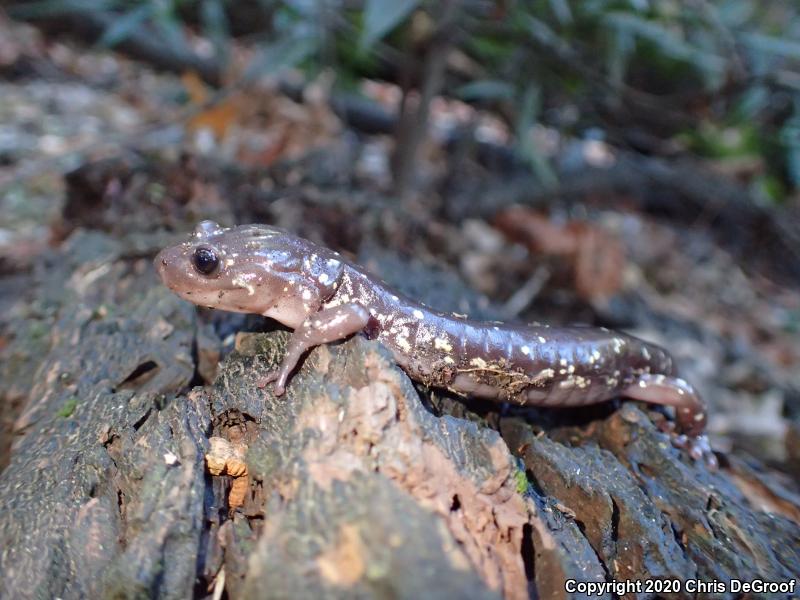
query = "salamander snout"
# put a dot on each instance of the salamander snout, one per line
(160, 263)
(167, 267)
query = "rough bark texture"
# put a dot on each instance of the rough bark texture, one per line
(357, 488)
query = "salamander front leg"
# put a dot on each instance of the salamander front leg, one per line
(690, 412)
(327, 325)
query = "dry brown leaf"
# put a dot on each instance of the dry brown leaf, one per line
(218, 117)
(596, 257)
(599, 262)
(227, 458)
(535, 231)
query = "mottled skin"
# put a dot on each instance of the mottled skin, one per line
(323, 297)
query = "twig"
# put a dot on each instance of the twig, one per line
(522, 298)
(413, 122)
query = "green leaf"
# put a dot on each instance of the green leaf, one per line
(736, 13)
(381, 16)
(753, 100)
(620, 49)
(487, 89)
(772, 45)
(214, 19)
(284, 54)
(768, 188)
(528, 110)
(170, 27)
(562, 11)
(215, 25)
(125, 25)
(790, 139)
(53, 8)
(490, 49)
(639, 5)
(669, 42)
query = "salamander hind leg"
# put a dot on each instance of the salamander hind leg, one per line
(690, 411)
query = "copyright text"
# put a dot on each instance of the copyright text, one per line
(621, 587)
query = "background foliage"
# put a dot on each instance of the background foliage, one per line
(714, 80)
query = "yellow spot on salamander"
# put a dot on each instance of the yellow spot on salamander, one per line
(442, 344)
(240, 281)
(544, 375)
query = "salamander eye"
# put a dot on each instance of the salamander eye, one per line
(205, 260)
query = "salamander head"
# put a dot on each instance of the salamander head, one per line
(236, 269)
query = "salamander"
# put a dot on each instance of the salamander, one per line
(323, 297)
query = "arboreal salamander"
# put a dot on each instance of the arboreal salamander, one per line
(323, 297)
